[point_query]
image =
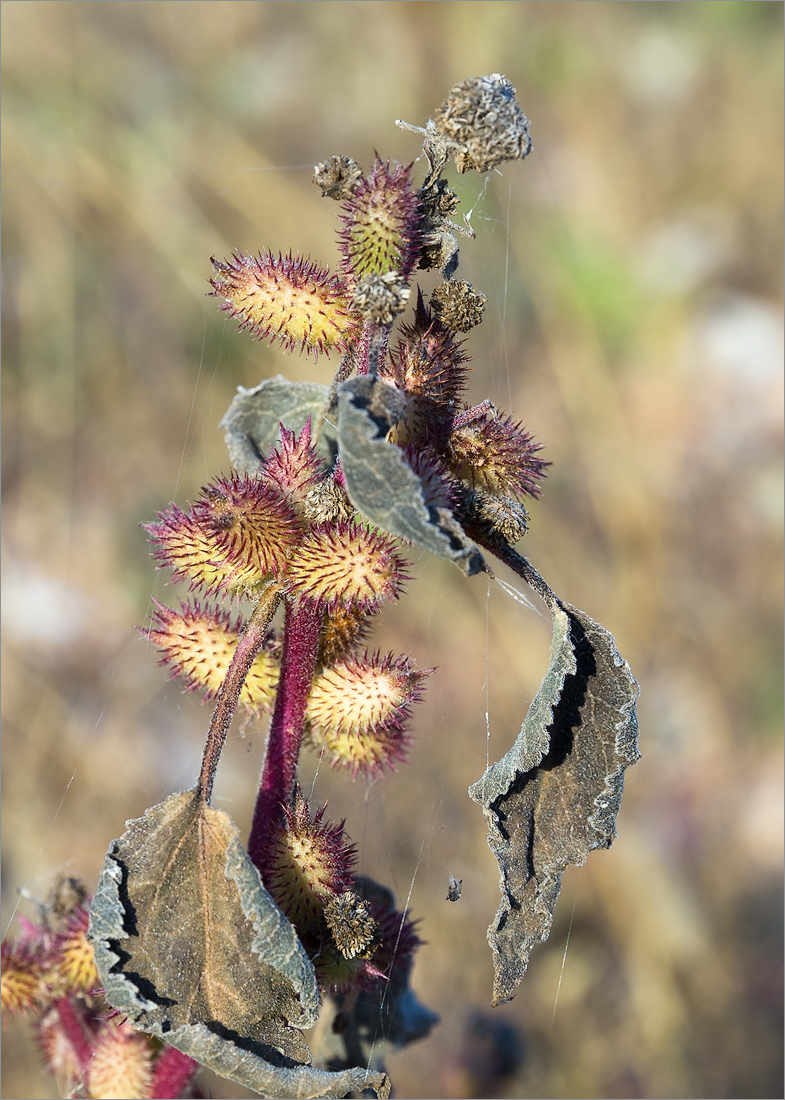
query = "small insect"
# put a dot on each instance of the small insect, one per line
(454, 891)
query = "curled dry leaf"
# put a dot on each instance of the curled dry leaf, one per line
(380, 483)
(555, 795)
(192, 948)
(252, 421)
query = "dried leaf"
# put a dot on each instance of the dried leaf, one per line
(380, 483)
(190, 945)
(252, 421)
(555, 795)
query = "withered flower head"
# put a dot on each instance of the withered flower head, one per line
(380, 298)
(355, 932)
(337, 176)
(483, 117)
(288, 299)
(458, 305)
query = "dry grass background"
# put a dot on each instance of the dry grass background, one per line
(634, 270)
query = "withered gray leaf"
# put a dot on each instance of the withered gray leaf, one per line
(380, 483)
(192, 948)
(252, 421)
(555, 795)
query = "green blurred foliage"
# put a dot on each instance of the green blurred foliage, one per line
(634, 270)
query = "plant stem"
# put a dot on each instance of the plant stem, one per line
(172, 1075)
(74, 1032)
(248, 647)
(519, 565)
(302, 625)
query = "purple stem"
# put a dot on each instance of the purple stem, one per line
(74, 1032)
(173, 1074)
(251, 641)
(302, 626)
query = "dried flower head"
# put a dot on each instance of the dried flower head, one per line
(288, 299)
(458, 305)
(380, 298)
(354, 931)
(337, 176)
(498, 520)
(484, 119)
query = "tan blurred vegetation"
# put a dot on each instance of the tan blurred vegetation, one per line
(634, 270)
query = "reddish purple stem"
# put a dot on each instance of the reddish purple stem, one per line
(251, 641)
(173, 1074)
(302, 625)
(74, 1032)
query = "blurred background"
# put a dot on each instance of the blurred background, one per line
(633, 266)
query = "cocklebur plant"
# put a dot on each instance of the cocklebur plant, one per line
(211, 953)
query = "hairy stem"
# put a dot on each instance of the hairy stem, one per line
(519, 565)
(248, 647)
(173, 1074)
(302, 626)
(74, 1032)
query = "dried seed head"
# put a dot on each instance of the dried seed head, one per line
(494, 453)
(484, 119)
(288, 299)
(458, 305)
(337, 176)
(438, 247)
(380, 298)
(355, 933)
(198, 644)
(380, 231)
(327, 502)
(347, 565)
(121, 1064)
(499, 520)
